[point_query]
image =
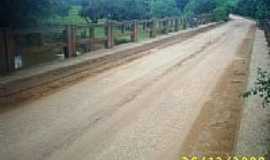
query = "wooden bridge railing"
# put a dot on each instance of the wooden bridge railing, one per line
(70, 40)
(266, 27)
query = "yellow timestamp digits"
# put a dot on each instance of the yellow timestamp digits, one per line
(219, 158)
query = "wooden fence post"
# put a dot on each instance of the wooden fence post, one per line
(172, 25)
(70, 50)
(92, 38)
(165, 26)
(3, 61)
(184, 23)
(176, 24)
(135, 32)
(153, 31)
(7, 51)
(109, 34)
(122, 28)
(267, 30)
(144, 26)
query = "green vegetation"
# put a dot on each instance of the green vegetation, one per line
(258, 9)
(143, 9)
(164, 8)
(219, 8)
(29, 12)
(72, 17)
(25, 12)
(15, 13)
(262, 87)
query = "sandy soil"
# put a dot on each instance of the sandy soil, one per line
(141, 110)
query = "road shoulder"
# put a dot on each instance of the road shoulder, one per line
(214, 132)
(254, 135)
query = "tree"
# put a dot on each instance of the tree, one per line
(223, 9)
(17, 13)
(263, 9)
(196, 7)
(130, 9)
(94, 9)
(219, 8)
(164, 8)
(118, 10)
(259, 9)
(181, 4)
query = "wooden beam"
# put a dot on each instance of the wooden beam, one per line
(165, 26)
(135, 32)
(153, 31)
(7, 51)
(70, 51)
(3, 58)
(92, 37)
(109, 34)
(176, 24)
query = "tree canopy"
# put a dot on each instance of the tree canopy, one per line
(129, 9)
(258, 9)
(17, 13)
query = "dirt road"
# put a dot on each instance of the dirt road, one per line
(142, 110)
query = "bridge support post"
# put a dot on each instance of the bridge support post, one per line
(92, 38)
(122, 28)
(183, 22)
(266, 26)
(144, 26)
(176, 24)
(7, 51)
(153, 31)
(165, 26)
(109, 34)
(135, 32)
(171, 26)
(70, 50)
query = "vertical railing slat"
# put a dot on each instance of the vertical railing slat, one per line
(7, 51)
(70, 50)
(153, 30)
(109, 34)
(135, 31)
(92, 38)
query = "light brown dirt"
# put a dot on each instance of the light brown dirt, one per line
(215, 131)
(142, 110)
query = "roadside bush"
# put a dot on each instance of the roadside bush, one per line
(221, 14)
(262, 87)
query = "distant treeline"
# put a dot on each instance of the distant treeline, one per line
(258, 9)
(24, 12)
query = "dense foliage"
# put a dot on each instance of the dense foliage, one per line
(262, 87)
(129, 9)
(141, 9)
(219, 8)
(259, 9)
(21, 12)
(14, 12)
(118, 10)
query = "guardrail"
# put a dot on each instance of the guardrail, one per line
(265, 25)
(22, 48)
(267, 30)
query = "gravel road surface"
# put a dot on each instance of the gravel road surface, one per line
(142, 110)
